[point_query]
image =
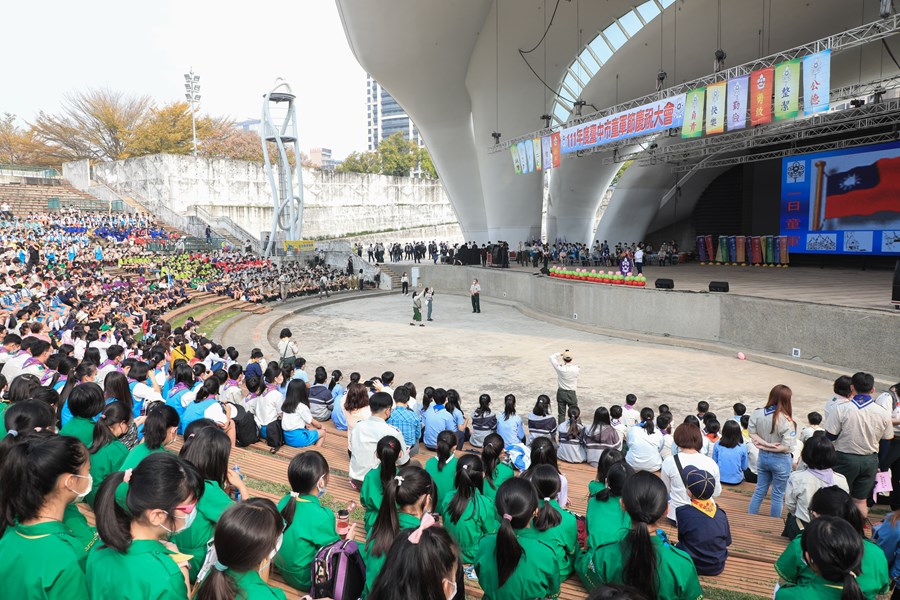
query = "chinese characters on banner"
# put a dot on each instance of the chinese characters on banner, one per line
(693, 116)
(816, 82)
(523, 158)
(737, 103)
(555, 149)
(529, 155)
(761, 85)
(787, 89)
(649, 118)
(536, 144)
(546, 153)
(715, 108)
(514, 150)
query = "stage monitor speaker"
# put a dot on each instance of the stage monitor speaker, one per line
(895, 296)
(665, 284)
(718, 286)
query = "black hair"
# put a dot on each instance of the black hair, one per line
(160, 418)
(46, 394)
(388, 451)
(304, 473)
(739, 409)
(702, 406)
(256, 353)
(490, 456)
(115, 385)
(835, 552)
(183, 373)
(114, 414)
(543, 452)
(296, 394)
(484, 405)
(630, 399)
(404, 489)
(663, 408)
(245, 534)
(842, 385)
(85, 369)
(814, 418)
(615, 592)
(114, 352)
(663, 421)
(336, 376)
(615, 411)
(285, 333)
(86, 400)
(617, 476)
(418, 570)
(139, 371)
(745, 421)
(22, 387)
(387, 378)
(401, 394)
(863, 383)
(545, 480)
(380, 401)
(645, 500)
(320, 375)
(272, 373)
(446, 443)
(575, 426)
(731, 434)
(24, 418)
(517, 499)
(209, 389)
(834, 502)
(253, 384)
(647, 420)
(194, 427)
(208, 450)
(712, 426)
(509, 406)
(601, 420)
(469, 478)
(818, 453)
(30, 470)
(542, 406)
(235, 371)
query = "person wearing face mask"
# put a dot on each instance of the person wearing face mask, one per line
(160, 430)
(247, 538)
(42, 474)
(422, 563)
(86, 401)
(137, 510)
(107, 452)
(309, 525)
(407, 497)
(208, 450)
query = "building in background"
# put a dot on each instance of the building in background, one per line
(386, 117)
(321, 158)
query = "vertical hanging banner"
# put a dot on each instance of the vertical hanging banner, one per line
(555, 149)
(529, 155)
(523, 158)
(737, 103)
(514, 150)
(787, 90)
(715, 107)
(816, 82)
(693, 113)
(547, 152)
(761, 86)
(536, 146)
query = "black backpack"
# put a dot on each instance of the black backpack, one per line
(245, 430)
(275, 435)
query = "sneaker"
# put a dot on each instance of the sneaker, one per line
(421, 324)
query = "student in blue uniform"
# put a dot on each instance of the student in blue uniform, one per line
(703, 529)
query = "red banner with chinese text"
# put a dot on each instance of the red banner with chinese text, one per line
(761, 85)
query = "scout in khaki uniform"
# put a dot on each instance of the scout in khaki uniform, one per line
(136, 511)
(309, 525)
(535, 574)
(477, 517)
(39, 556)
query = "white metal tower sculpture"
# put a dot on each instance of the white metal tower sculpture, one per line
(287, 192)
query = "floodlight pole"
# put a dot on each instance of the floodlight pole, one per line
(192, 94)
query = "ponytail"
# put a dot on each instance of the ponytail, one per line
(469, 478)
(836, 551)
(645, 499)
(616, 476)
(509, 406)
(545, 480)
(114, 414)
(575, 426)
(335, 377)
(515, 502)
(160, 418)
(388, 451)
(490, 456)
(304, 473)
(404, 489)
(832, 501)
(647, 420)
(210, 388)
(446, 443)
(484, 405)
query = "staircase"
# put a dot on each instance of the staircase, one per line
(395, 277)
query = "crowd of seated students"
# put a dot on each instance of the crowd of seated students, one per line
(115, 227)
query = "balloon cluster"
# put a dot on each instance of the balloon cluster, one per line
(610, 277)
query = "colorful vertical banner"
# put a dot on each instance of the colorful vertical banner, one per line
(715, 107)
(816, 82)
(514, 150)
(693, 113)
(761, 86)
(737, 103)
(536, 148)
(523, 157)
(547, 152)
(529, 155)
(787, 89)
(555, 149)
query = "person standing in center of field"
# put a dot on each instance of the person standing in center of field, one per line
(567, 382)
(475, 291)
(417, 309)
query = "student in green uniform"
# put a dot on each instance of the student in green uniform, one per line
(469, 515)
(608, 458)
(107, 452)
(408, 496)
(39, 557)
(442, 467)
(495, 472)
(605, 520)
(423, 564)
(86, 402)
(643, 559)
(309, 525)
(160, 430)
(136, 512)
(511, 566)
(208, 450)
(387, 450)
(248, 535)
(834, 553)
(554, 526)
(832, 501)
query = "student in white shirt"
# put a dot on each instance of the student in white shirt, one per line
(300, 428)
(689, 440)
(231, 389)
(268, 406)
(630, 415)
(644, 444)
(366, 435)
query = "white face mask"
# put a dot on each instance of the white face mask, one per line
(79, 496)
(188, 520)
(453, 589)
(272, 554)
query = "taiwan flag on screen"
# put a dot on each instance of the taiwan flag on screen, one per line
(864, 191)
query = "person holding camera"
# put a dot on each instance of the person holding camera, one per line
(567, 382)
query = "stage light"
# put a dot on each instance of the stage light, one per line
(579, 104)
(496, 136)
(660, 79)
(546, 119)
(720, 57)
(856, 103)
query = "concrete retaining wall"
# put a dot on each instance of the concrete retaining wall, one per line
(855, 339)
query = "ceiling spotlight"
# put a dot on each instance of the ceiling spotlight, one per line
(877, 94)
(720, 57)
(496, 136)
(660, 79)
(856, 102)
(546, 119)
(579, 104)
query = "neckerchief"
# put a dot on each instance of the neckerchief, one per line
(707, 507)
(859, 400)
(769, 411)
(47, 376)
(31, 361)
(231, 383)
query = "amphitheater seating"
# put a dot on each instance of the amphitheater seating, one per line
(27, 198)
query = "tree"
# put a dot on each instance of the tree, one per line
(397, 155)
(168, 130)
(94, 124)
(18, 146)
(232, 143)
(426, 164)
(360, 162)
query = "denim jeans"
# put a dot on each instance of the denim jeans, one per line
(773, 468)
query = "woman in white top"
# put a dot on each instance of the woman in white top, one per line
(773, 431)
(819, 456)
(689, 440)
(287, 348)
(644, 444)
(300, 428)
(356, 407)
(268, 406)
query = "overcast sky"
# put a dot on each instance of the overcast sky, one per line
(238, 49)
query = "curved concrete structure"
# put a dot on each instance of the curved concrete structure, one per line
(442, 61)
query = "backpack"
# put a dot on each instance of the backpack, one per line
(338, 571)
(275, 435)
(519, 456)
(245, 430)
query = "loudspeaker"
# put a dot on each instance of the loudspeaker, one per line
(665, 284)
(718, 286)
(895, 296)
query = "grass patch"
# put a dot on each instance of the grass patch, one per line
(279, 489)
(194, 312)
(710, 593)
(208, 326)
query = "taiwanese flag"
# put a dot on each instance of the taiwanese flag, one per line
(864, 191)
